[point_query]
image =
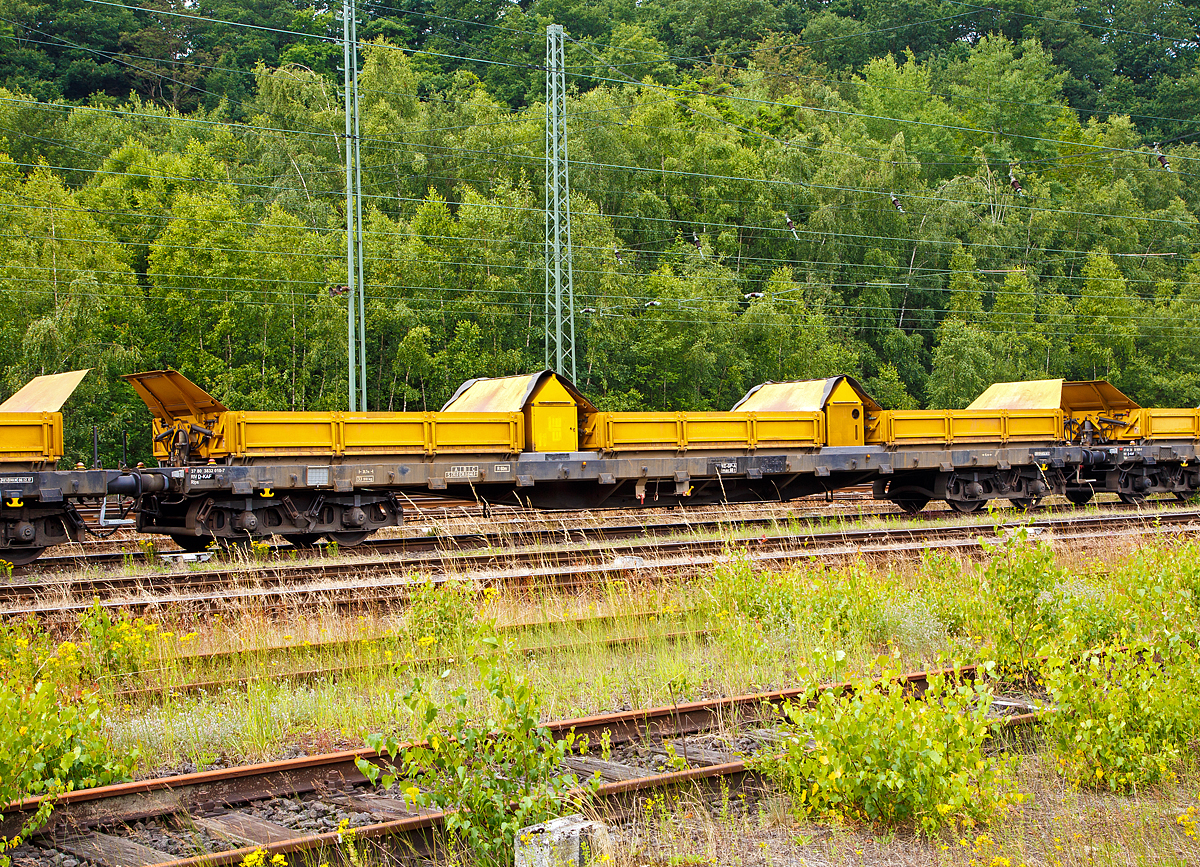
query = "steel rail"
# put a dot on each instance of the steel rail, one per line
(533, 526)
(274, 586)
(230, 787)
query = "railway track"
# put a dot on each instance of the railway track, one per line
(382, 582)
(513, 524)
(219, 817)
(332, 672)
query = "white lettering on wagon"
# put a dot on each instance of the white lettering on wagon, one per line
(464, 471)
(16, 480)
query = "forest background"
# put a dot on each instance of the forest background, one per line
(931, 195)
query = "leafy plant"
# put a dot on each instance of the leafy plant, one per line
(493, 776)
(878, 754)
(1122, 715)
(117, 645)
(444, 614)
(52, 741)
(1017, 598)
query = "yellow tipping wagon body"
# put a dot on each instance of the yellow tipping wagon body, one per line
(945, 427)
(775, 415)
(1044, 410)
(681, 431)
(190, 426)
(31, 426)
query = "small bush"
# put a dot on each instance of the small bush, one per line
(842, 601)
(881, 756)
(496, 775)
(116, 646)
(1122, 716)
(1017, 600)
(444, 615)
(51, 733)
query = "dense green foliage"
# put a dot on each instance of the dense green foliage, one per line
(877, 754)
(52, 737)
(173, 192)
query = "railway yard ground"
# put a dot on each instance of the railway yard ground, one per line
(223, 708)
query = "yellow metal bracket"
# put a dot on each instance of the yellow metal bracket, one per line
(14, 503)
(266, 493)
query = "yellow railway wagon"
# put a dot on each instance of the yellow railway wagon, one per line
(681, 431)
(927, 427)
(1163, 424)
(31, 426)
(187, 416)
(30, 437)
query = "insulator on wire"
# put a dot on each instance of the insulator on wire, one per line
(335, 291)
(696, 243)
(753, 295)
(1161, 157)
(792, 226)
(617, 253)
(896, 203)
(652, 304)
(588, 310)
(1013, 182)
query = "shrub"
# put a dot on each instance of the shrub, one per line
(51, 735)
(1122, 716)
(494, 776)
(1017, 600)
(117, 646)
(879, 755)
(443, 615)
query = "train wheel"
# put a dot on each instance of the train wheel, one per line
(1079, 498)
(1184, 496)
(303, 540)
(349, 538)
(1025, 502)
(20, 556)
(193, 544)
(966, 506)
(1132, 499)
(911, 505)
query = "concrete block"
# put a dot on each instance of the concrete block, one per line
(569, 841)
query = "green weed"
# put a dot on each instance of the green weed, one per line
(1122, 716)
(878, 755)
(496, 775)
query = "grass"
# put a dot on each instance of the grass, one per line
(1056, 826)
(739, 631)
(736, 630)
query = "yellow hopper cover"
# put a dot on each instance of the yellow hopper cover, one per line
(808, 395)
(44, 393)
(171, 395)
(552, 406)
(508, 393)
(1053, 394)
